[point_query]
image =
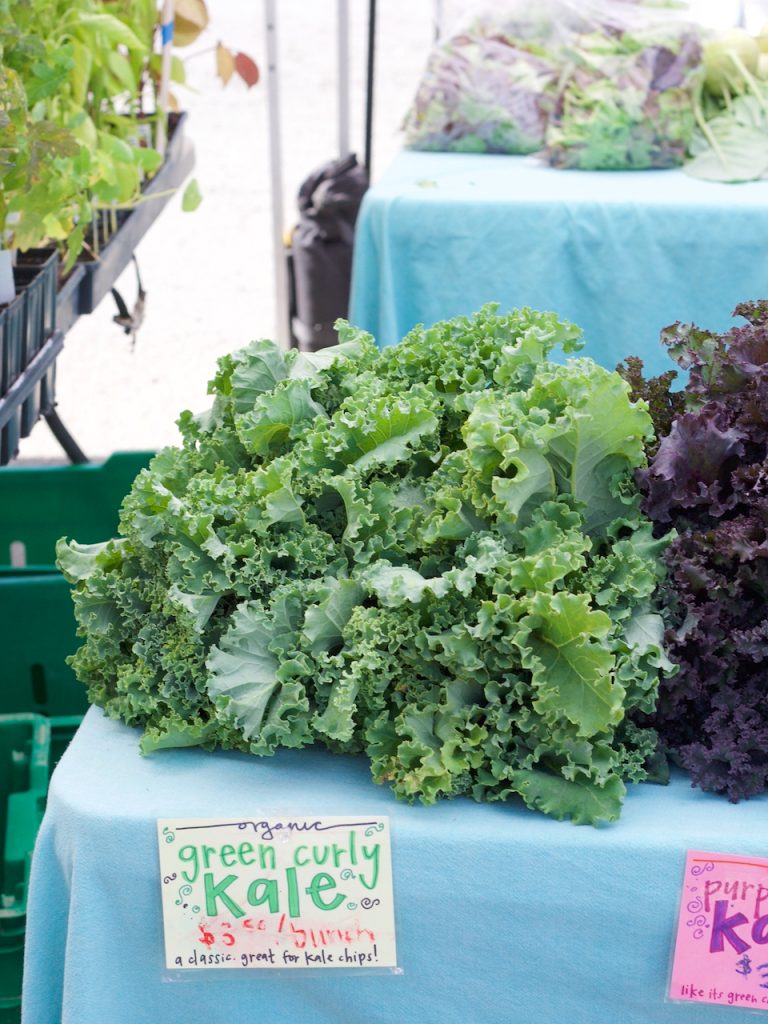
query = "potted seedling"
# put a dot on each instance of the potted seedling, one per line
(60, 160)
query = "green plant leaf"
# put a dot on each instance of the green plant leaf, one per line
(385, 432)
(80, 561)
(191, 197)
(121, 68)
(243, 671)
(81, 71)
(585, 803)
(533, 477)
(116, 32)
(598, 443)
(148, 159)
(256, 370)
(573, 676)
(396, 585)
(253, 682)
(275, 416)
(324, 623)
(741, 154)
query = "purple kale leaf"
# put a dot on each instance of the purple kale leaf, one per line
(720, 364)
(693, 466)
(755, 312)
(713, 715)
(709, 480)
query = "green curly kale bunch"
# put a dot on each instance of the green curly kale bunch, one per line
(433, 554)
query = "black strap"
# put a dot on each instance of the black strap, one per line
(131, 320)
(68, 443)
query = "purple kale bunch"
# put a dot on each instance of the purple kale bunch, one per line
(709, 481)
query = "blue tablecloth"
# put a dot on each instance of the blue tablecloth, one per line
(502, 915)
(620, 254)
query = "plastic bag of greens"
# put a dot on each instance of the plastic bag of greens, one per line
(594, 83)
(626, 95)
(487, 88)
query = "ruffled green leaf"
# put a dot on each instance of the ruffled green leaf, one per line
(243, 671)
(597, 442)
(324, 623)
(258, 369)
(80, 561)
(383, 433)
(583, 802)
(533, 478)
(200, 606)
(395, 585)
(571, 666)
(177, 733)
(277, 416)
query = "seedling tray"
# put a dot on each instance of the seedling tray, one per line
(101, 274)
(28, 350)
(68, 299)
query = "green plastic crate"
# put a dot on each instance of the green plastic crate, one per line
(30, 748)
(37, 623)
(41, 702)
(63, 728)
(40, 504)
(24, 772)
(38, 633)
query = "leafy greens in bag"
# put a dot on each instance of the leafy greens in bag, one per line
(592, 84)
(483, 91)
(625, 102)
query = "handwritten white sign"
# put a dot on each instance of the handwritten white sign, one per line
(277, 893)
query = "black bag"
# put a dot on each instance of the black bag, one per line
(320, 257)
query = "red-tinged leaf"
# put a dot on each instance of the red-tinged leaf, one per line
(225, 63)
(247, 69)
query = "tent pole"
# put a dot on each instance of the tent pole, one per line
(343, 74)
(370, 85)
(437, 19)
(276, 176)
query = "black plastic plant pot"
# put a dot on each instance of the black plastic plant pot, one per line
(68, 298)
(30, 396)
(101, 274)
(28, 348)
(11, 351)
(40, 292)
(68, 293)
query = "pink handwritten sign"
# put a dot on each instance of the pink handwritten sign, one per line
(721, 949)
